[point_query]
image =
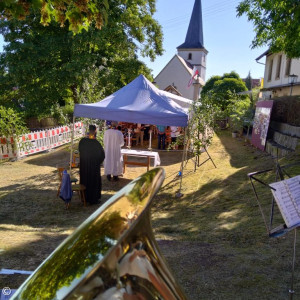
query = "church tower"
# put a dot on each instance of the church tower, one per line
(176, 76)
(192, 50)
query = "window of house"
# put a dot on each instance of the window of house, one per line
(270, 70)
(288, 67)
(278, 67)
(190, 56)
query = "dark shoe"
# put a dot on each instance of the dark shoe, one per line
(108, 177)
(116, 178)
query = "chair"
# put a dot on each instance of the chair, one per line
(79, 188)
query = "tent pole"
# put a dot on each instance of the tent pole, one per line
(72, 142)
(150, 140)
(179, 194)
(129, 144)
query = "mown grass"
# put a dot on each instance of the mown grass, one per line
(213, 237)
(225, 251)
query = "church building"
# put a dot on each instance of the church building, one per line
(190, 59)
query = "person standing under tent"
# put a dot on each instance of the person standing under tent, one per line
(91, 157)
(140, 134)
(146, 132)
(161, 137)
(113, 141)
(175, 131)
(168, 136)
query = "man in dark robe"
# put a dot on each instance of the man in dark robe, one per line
(91, 157)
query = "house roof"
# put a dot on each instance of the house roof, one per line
(255, 82)
(262, 55)
(171, 89)
(186, 65)
(194, 36)
(189, 68)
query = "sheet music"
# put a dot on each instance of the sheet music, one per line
(287, 196)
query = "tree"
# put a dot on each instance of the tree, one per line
(11, 122)
(219, 90)
(12, 126)
(51, 67)
(248, 82)
(276, 23)
(240, 113)
(202, 123)
(78, 14)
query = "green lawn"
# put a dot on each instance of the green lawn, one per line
(213, 237)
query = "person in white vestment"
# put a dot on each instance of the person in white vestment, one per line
(113, 141)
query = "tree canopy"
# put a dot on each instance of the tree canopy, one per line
(276, 23)
(219, 89)
(77, 14)
(248, 81)
(44, 68)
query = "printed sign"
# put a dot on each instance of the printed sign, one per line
(261, 124)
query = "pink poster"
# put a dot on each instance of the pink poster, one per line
(261, 123)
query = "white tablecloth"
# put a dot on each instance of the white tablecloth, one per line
(141, 153)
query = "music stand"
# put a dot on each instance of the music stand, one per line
(195, 157)
(282, 229)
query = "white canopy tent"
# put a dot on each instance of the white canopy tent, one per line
(183, 102)
(140, 101)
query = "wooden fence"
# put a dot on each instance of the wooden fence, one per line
(39, 141)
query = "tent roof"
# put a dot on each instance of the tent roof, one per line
(183, 102)
(138, 102)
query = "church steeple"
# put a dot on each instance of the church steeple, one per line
(194, 36)
(190, 55)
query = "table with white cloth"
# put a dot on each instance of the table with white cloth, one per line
(139, 153)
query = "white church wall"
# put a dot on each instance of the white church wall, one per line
(175, 73)
(198, 59)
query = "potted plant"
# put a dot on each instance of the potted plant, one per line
(236, 125)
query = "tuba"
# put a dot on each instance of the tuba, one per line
(111, 255)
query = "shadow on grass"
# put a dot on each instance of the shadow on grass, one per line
(217, 243)
(36, 203)
(213, 237)
(17, 257)
(56, 157)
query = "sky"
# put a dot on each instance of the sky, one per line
(226, 37)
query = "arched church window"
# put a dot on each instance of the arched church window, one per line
(190, 56)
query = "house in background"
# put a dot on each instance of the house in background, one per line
(177, 73)
(282, 85)
(282, 75)
(255, 82)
